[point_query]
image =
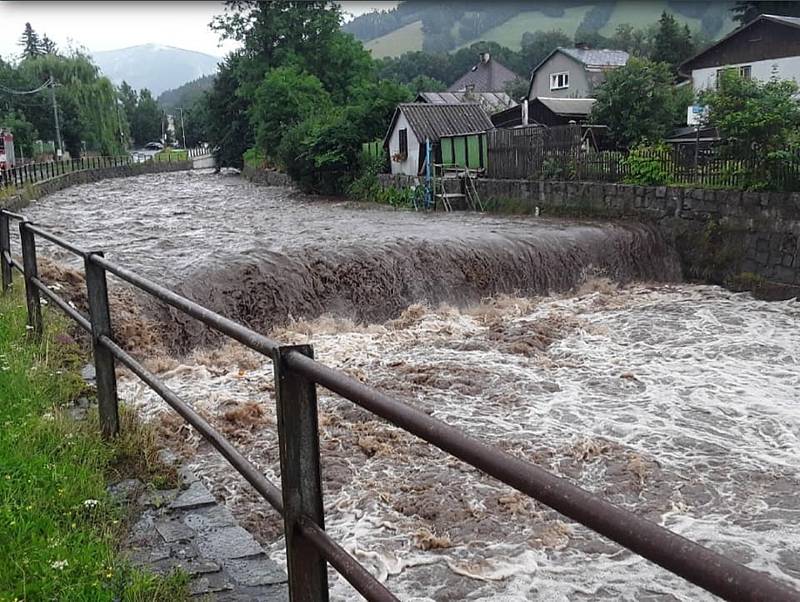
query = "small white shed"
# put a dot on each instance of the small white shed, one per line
(414, 122)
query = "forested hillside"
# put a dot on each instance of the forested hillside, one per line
(187, 94)
(446, 26)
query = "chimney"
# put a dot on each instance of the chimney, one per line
(525, 112)
(582, 46)
(485, 56)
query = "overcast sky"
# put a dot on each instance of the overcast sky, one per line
(111, 25)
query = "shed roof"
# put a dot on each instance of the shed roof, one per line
(436, 120)
(567, 106)
(486, 76)
(491, 102)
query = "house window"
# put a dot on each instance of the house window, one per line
(559, 81)
(744, 71)
(403, 136)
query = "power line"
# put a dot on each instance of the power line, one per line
(23, 92)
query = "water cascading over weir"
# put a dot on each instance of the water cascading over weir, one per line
(374, 281)
(261, 255)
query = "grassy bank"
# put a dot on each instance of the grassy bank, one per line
(60, 529)
(169, 154)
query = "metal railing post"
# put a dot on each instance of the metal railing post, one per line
(31, 271)
(5, 247)
(100, 317)
(301, 485)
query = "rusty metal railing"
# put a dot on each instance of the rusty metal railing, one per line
(299, 498)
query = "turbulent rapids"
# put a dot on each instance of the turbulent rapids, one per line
(568, 344)
(259, 256)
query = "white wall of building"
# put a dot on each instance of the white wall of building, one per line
(783, 68)
(411, 165)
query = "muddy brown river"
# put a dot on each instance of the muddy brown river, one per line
(572, 345)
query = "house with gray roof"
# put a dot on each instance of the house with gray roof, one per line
(415, 122)
(487, 75)
(491, 102)
(574, 72)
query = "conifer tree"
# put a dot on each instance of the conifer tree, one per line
(31, 45)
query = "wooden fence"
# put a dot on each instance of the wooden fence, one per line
(563, 153)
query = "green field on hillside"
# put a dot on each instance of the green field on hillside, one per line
(405, 39)
(643, 14)
(635, 12)
(510, 33)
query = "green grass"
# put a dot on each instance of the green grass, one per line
(404, 39)
(59, 528)
(510, 33)
(170, 154)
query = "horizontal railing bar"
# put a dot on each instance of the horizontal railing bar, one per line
(244, 335)
(693, 562)
(12, 215)
(242, 465)
(65, 307)
(347, 566)
(64, 244)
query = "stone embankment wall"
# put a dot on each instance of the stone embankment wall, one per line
(87, 176)
(266, 177)
(744, 240)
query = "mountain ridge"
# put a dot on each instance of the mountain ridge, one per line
(157, 67)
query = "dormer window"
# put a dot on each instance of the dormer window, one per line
(559, 81)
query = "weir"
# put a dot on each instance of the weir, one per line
(259, 255)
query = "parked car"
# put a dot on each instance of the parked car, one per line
(154, 146)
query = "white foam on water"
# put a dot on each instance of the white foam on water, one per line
(679, 403)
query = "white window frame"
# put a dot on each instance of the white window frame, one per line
(744, 71)
(554, 79)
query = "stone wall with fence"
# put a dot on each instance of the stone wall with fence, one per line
(744, 240)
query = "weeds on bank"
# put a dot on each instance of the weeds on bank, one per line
(59, 530)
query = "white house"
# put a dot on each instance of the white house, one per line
(766, 47)
(415, 122)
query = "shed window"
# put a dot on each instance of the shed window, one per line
(403, 136)
(559, 81)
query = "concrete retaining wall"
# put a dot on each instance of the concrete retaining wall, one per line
(87, 176)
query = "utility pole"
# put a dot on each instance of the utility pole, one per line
(183, 129)
(60, 147)
(119, 124)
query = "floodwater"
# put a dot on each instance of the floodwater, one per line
(676, 401)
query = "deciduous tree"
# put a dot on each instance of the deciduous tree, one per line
(638, 102)
(762, 115)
